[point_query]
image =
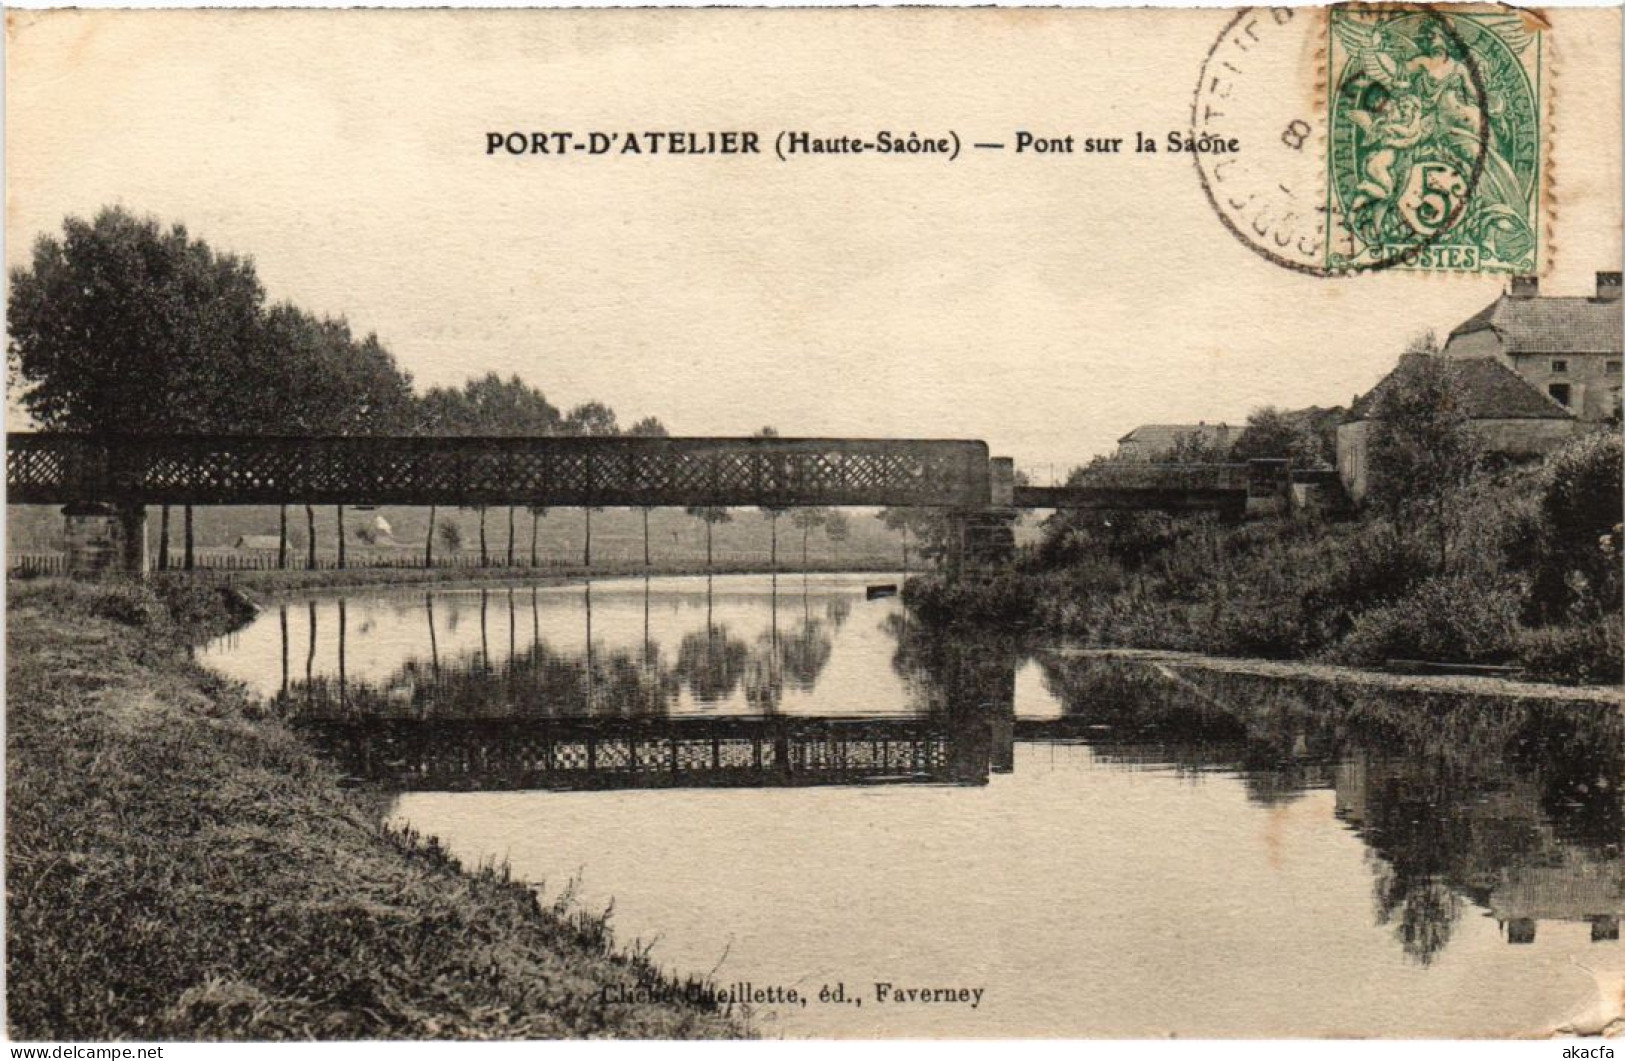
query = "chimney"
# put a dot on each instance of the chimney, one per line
(1525, 287)
(1608, 287)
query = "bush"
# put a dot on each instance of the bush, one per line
(1383, 563)
(1581, 500)
(1536, 544)
(130, 605)
(1582, 494)
(125, 603)
(1260, 628)
(1005, 597)
(184, 607)
(1461, 618)
(1590, 653)
(202, 608)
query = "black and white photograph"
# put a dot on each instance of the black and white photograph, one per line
(814, 523)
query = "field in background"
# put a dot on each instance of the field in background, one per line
(676, 540)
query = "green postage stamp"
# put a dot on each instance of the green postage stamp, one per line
(1434, 139)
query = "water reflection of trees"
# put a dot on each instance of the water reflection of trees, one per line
(948, 672)
(712, 665)
(1513, 805)
(1510, 806)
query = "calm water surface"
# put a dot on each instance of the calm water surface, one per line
(782, 783)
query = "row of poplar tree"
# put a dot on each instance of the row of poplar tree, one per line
(120, 325)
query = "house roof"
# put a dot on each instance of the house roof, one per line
(1489, 391)
(1166, 436)
(1545, 325)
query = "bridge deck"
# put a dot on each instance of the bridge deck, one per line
(1164, 487)
(396, 470)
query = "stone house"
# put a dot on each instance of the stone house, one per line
(1567, 347)
(1534, 371)
(1515, 419)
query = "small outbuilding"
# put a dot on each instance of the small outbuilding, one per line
(1156, 442)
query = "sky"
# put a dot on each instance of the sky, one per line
(1045, 304)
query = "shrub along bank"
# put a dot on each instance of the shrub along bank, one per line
(181, 866)
(1522, 566)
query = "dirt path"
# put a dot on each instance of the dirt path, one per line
(1326, 672)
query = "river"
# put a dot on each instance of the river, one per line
(784, 784)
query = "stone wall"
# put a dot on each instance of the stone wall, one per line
(1515, 438)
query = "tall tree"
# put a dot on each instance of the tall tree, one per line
(1422, 446)
(593, 419)
(1271, 433)
(310, 537)
(808, 520)
(648, 427)
(123, 327)
(329, 382)
(489, 405)
(536, 514)
(773, 512)
(282, 538)
(711, 515)
(927, 526)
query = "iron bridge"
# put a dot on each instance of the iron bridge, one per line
(542, 471)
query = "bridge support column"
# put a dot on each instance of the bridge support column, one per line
(90, 538)
(1269, 487)
(132, 539)
(105, 539)
(980, 538)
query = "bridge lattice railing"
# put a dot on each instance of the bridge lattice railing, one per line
(42, 468)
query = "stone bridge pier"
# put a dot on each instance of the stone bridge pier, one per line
(104, 539)
(985, 537)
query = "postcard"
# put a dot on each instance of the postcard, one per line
(854, 523)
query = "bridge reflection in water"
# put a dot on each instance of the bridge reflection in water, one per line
(586, 753)
(1509, 807)
(538, 717)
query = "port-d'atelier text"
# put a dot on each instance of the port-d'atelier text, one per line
(654, 142)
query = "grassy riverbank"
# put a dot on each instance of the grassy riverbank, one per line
(1522, 567)
(181, 866)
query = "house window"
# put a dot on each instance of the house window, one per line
(1559, 393)
(1560, 366)
(1613, 368)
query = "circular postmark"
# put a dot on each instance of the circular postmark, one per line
(1362, 134)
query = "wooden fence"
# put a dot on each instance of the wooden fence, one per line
(37, 564)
